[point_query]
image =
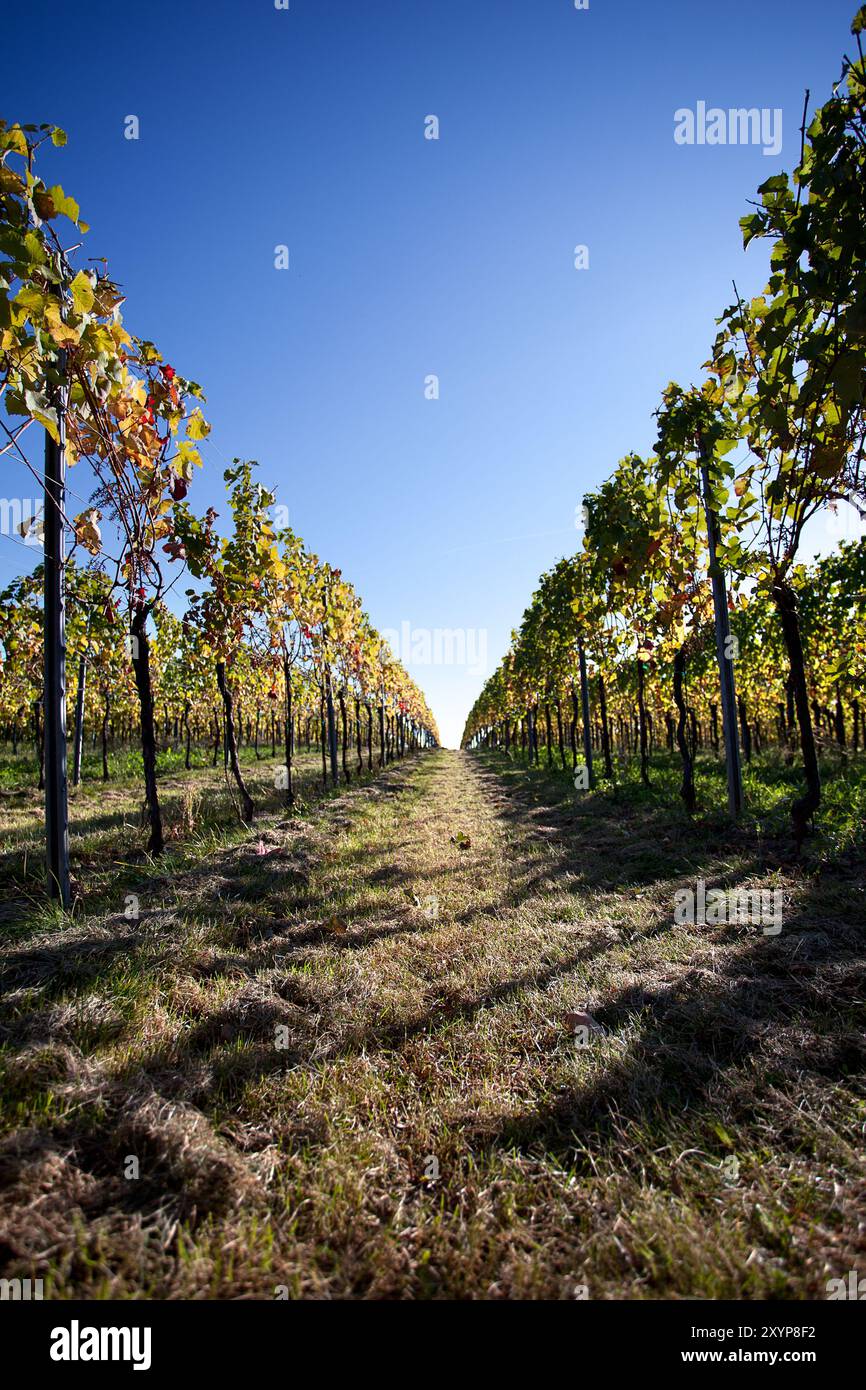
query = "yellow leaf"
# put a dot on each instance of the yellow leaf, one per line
(81, 290)
(58, 202)
(15, 139)
(197, 426)
(62, 333)
(189, 456)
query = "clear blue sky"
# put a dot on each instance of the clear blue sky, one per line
(410, 257)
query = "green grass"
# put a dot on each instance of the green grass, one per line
(108, 835)
(346, 1067)
(770, 785)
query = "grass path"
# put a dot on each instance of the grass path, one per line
(344, 1058)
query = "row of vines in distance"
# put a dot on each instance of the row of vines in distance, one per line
(264, 616)
(691, 568)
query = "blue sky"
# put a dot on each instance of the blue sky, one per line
(411, 257)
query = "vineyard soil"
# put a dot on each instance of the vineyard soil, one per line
(342, 1048)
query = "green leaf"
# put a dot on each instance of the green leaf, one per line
(778, 183)
(848, 378)
(751, 226)
(31, 299)
(35, 249)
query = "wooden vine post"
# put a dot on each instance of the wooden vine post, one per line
(724, 653)
(584, 700)
(54, 709)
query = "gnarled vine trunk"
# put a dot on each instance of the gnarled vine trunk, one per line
(805, 806)
(106, 715)
(40, 741)
(344, 729)
(560, 734)
(78, 744)
(247, 809)
(332, 730)
(605, 730)
(745, 730)
(188, 733)
(687, 790)
(641, 707)
(144, 688)
(217, 736)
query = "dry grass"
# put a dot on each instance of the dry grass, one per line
(345, 1064)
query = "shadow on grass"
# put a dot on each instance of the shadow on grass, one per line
(113, 866)
(759, 1016)
(773, 1018)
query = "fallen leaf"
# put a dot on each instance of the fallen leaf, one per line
(581, 1019)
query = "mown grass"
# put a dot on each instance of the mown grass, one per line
(108, 832)
(342, 1052)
